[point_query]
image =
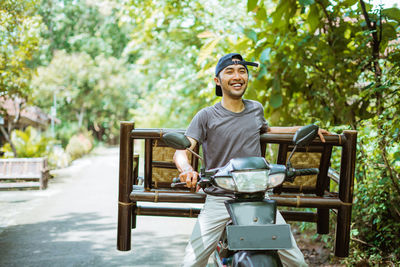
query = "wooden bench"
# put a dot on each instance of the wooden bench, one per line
(23, 173)
(305, 192)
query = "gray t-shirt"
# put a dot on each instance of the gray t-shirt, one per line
(225, 134)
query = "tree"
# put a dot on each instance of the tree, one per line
(176, 44)
(89, 93)
(88, 35)
(19, 40)
(337, 63)
(93, 27)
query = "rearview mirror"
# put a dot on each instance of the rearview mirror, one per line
(305, 135)
(176, 140)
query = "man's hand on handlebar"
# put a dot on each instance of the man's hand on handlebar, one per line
(189, 177)
(321, 133)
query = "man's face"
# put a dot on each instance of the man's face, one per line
(233, 81)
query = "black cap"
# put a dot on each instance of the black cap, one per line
(226, 61)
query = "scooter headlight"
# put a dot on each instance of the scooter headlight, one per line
(226, 183)
(251, 181)
(276, 179)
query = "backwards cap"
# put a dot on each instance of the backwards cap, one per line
(226, 61)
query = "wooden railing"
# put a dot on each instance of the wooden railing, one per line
(289, 195)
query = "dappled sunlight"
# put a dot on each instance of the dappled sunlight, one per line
(76, 239)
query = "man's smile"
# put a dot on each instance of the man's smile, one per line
(237, 85)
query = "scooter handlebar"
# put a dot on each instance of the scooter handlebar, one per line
(176, 182)
(292, 173)
(308, 171)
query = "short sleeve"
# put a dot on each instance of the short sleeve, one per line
(264, 124)
(197, 127)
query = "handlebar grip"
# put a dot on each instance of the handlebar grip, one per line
(176, 182)
(308, 171)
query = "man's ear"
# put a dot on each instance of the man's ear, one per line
(217, 82)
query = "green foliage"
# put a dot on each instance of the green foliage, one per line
(82, 68)
(176, 43)
(93, 27)
(377, 200)
(314, 59)
(64, 132)
(91, 93)
(337, 63)
(58, 158)
(28, 144)
(31, 143)
(19, 40)
(251, 5)
(377, 213)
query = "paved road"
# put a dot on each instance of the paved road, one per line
(74, 222)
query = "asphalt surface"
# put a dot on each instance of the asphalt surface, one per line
(74, 222)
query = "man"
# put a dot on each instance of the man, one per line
(229, 129)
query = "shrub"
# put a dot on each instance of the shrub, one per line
(79, 145)
(28, 144)
(58, 158)
(376, 210)
(64, 131)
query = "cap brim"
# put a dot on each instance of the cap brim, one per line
(218, 90)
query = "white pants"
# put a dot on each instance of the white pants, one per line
(209, 227)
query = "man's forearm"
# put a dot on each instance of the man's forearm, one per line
(182, 161)
(291, 129)
(187, 174)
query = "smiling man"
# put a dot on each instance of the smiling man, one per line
(229, 129)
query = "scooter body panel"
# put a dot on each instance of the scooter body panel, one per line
(259, 237)
(252, 212)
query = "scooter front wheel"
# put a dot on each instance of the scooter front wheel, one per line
(264, 258)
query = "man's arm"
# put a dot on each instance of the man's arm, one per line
(181, 159)
(293, 129)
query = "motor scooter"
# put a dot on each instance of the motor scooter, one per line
(252, 237)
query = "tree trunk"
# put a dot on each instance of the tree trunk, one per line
(80, 116)
(7, 137)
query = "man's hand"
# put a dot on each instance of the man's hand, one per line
(189, 177)
(321, 133)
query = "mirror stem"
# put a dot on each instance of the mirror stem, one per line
(194, 153)
(202, 170)
(290, 156)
